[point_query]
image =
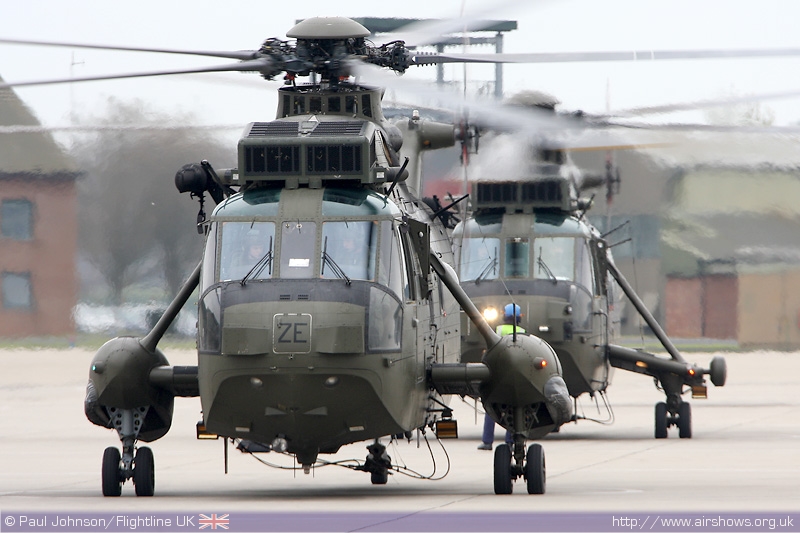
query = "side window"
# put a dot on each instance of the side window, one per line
(390, 272)
(16, 219)
(209, 269)
(410, 289)
(584, 274)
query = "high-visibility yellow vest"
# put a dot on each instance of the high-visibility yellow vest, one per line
(508, 329)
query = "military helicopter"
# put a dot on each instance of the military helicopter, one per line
(304, 343)
(328, 303)
(527, 241)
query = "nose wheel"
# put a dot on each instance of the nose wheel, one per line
(114, 473)
(137, 464)
(508, 467)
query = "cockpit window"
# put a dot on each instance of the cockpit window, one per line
(479, 259)
(391, 271)
(349, 248)
(517, 257)
(246, 246)
(554, 258)
(298, 240)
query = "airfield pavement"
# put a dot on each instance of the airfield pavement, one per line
(744, 455)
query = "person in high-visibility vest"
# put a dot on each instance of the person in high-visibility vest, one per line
(512, 315)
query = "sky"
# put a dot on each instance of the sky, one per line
(544, 26)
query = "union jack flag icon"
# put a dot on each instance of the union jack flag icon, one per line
(214, 521)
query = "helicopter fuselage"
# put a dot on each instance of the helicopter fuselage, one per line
(327, 341)
(546, 262)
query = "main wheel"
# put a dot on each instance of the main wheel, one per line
(502, 470)
(661, 420)
(112, 481)
(144, 472)
(685, 420)
(535, 469)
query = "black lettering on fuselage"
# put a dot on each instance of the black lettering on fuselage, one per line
(298, 335)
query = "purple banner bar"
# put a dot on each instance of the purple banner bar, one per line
(416, 522)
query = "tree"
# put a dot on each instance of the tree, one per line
(132, 220)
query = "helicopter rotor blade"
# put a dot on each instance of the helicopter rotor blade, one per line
(631, 55)
(700, 104)
(431, 31)
(487, 111)
(262, 64)
(22, 128)
(241, 54)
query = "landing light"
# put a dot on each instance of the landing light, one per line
(279, 444)
(490, 314)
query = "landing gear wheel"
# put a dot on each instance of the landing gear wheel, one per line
(502, 470)
(112, 481)
(379, 478)
(685, 420)
(661, 420)
(719, 371)
(535, 469)
(144, 472)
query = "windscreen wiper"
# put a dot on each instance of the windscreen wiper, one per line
(327, 259)
(489, 267)
(258, 268)
(543, 266)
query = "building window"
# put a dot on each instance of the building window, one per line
(16, 219)
(17, 292)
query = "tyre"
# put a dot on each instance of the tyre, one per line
(719, 371)
(502, 470)
(535, 472)
(144, 472)
(112, 482)
(661, 420)
(685, 420)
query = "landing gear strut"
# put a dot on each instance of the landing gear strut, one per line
(138, 465)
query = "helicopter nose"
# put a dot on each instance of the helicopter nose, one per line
(520, 370)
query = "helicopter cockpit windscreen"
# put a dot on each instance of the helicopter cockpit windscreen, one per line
(349, 249)
(568, 259)
(247, 247)
(298, 241)
(517, 258)
(480, 259)
(554, 258)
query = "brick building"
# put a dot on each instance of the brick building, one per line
(38, 228)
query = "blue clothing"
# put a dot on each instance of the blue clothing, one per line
(488, 423)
